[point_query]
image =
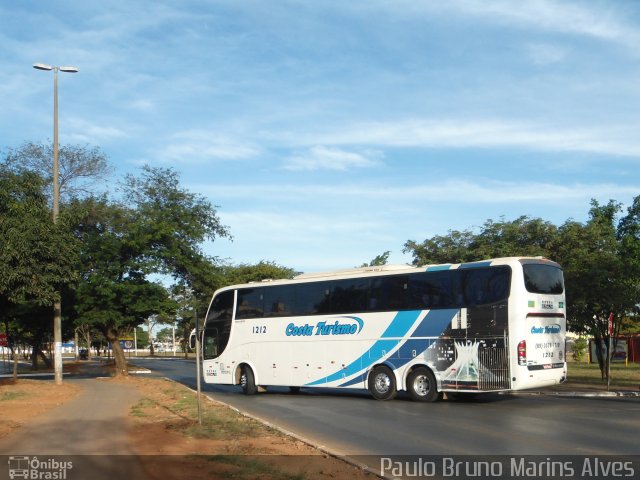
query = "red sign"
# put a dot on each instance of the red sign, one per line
(3, 340)
(611, 324)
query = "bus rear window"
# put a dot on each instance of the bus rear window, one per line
(539, 278)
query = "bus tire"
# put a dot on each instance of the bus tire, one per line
(422, 386)
(247, 381)
(382, 383)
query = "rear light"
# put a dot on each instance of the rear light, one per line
(522, 353)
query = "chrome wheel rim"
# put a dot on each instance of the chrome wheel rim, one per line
(383, 383)
(421, 385)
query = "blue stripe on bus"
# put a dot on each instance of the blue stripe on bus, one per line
(438, 268)
(434, 323)
(398, 328)
(464, 266)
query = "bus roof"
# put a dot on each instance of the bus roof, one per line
(391, 269)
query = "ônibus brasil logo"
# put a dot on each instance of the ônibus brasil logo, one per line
(352, 326)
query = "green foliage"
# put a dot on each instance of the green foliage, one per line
(579, 348)
(245, 273)
(170, 223)
(36, 257)
(521, 237)
(379, 260)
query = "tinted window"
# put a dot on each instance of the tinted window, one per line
(389, 293)
(250, 303)
(279, 301)
(431, 290)
(482, 286)
(350, 296)
(539, 278)
(312, 298)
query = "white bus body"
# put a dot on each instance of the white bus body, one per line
(483, 326)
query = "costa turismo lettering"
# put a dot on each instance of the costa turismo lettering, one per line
(326, 328)
(547, 329)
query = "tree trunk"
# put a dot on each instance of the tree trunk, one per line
(15, 363)
(87, 339)
(36, 355)
(113, 337)
(603, 354)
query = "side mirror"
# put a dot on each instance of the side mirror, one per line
(192, 339)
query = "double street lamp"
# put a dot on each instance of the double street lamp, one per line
(57, 307)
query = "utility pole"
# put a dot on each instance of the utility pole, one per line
(57, 305)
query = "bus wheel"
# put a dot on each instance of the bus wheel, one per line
(382, 383)
(247, 381)
(421, 384)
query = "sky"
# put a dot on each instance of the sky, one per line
(328, 132)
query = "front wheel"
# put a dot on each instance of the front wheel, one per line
(247, 381)
(382, 383)
(421, 385)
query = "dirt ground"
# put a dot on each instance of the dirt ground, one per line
(172, 445)
(169, 442)
(23, 400)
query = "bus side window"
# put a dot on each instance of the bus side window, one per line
(250, 303)
(312, 298)
(278, 301)
(389, 293)
(430, 290)
(348, 296)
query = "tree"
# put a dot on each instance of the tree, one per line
(37, 257)
(600, 262)
(246, 273)
(159, 231)
(378, 261)
(523, 236)
(80, 170)
(114, 294)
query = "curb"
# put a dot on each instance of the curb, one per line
(582, 394)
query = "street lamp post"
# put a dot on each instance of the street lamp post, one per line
(57, 307)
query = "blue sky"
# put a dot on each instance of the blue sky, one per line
(328, 132)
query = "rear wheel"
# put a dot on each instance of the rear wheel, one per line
(247, 381)
(382, 383)
(421, 385)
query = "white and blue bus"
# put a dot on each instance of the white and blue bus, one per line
(484, 326)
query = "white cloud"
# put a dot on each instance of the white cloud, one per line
(198, 147)
(325, 158)
(81, 130)
(489, 133)
(462, 191)
(586, 18)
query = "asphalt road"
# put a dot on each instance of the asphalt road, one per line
(353, 424)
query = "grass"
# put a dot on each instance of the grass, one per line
(174, 401)
(6, 396)
(217, 423)
(627, 376)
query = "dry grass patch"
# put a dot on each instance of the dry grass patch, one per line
(227, 444)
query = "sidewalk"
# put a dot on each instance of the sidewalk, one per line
(89, 431)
